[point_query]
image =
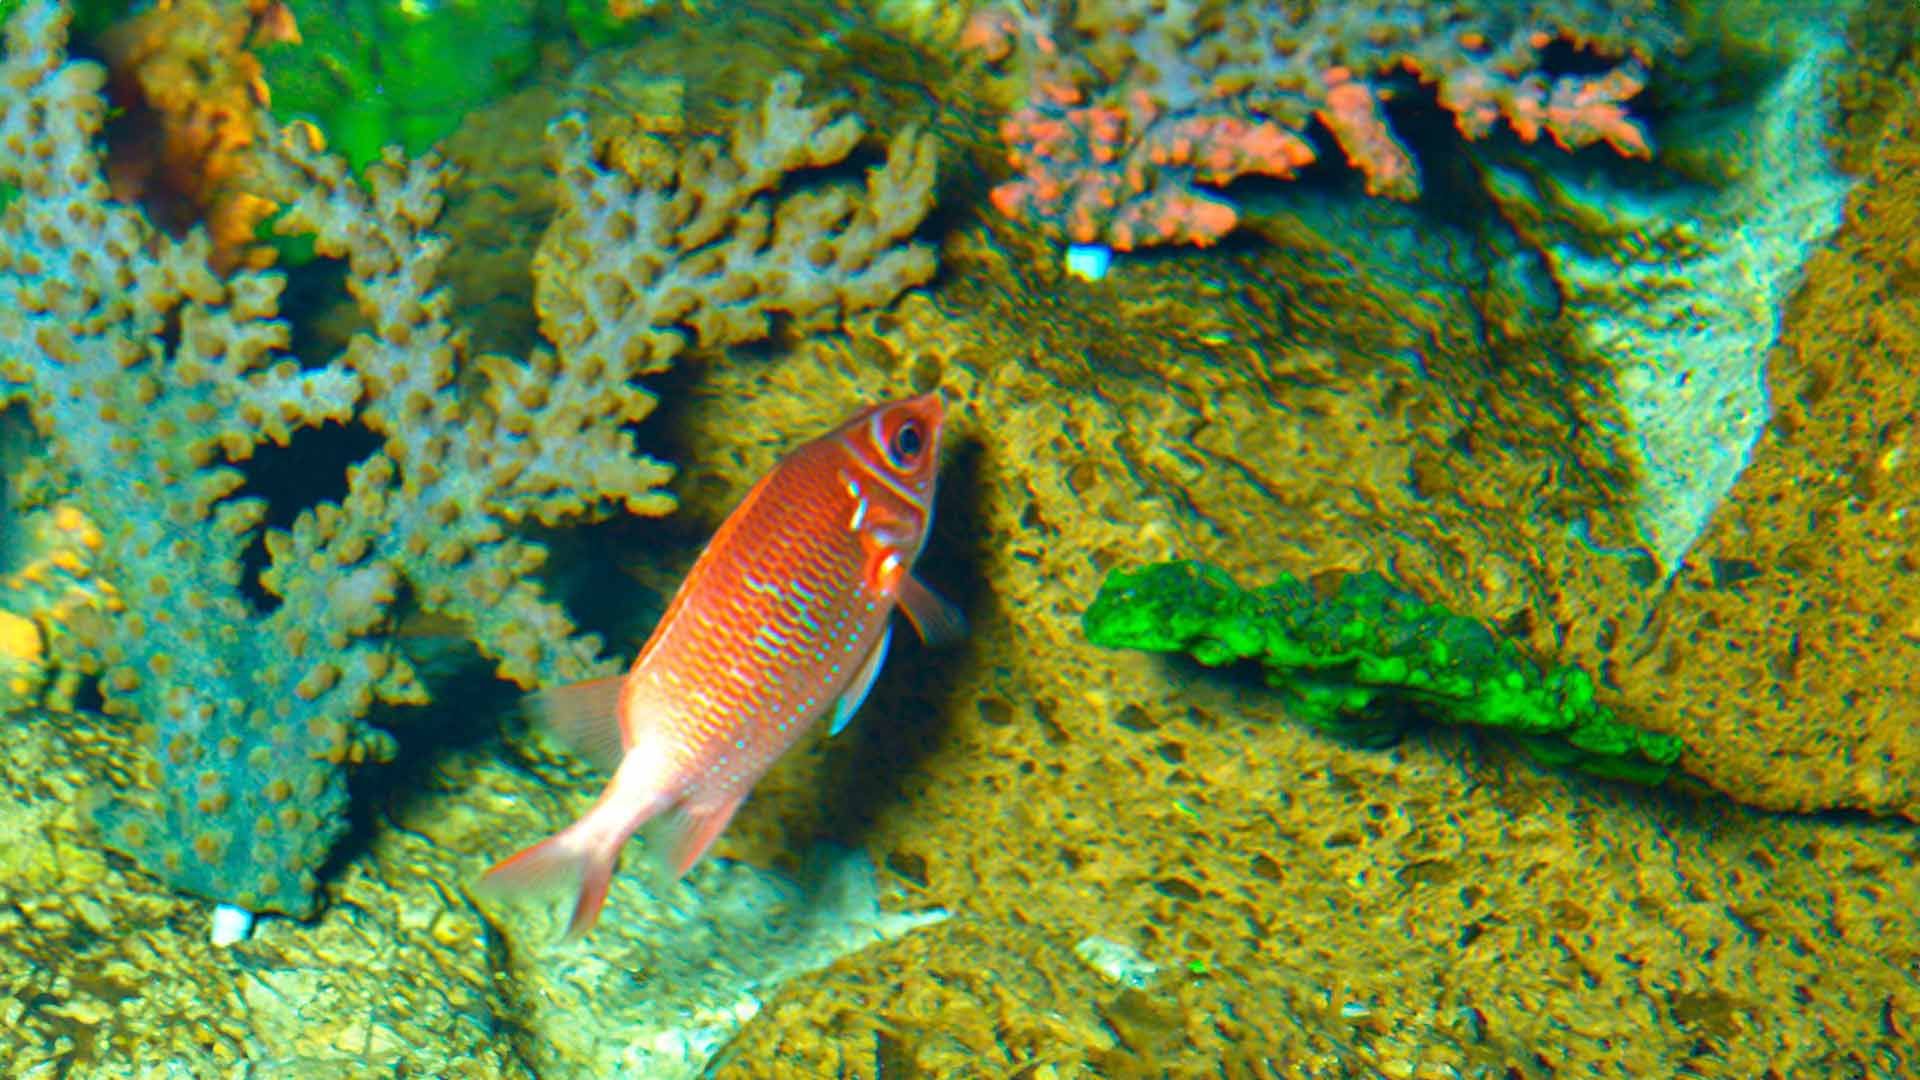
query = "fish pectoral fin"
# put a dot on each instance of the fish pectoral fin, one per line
(856, 693)
(939, 622)
(687, 833)
(584, 717)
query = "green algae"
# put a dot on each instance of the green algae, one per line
(1365, 644)
(374, 73)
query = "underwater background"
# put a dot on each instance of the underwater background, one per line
(1435, 489)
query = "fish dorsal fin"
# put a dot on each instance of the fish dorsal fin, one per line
(584, 717)
(849, 702)
(938, 622)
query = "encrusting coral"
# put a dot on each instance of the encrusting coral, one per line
(375, 73)
(149, 378)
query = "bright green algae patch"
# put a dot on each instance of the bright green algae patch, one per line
(1366, 644)
(374, 73)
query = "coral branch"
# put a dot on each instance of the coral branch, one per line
(1136, 108)
(653, 251)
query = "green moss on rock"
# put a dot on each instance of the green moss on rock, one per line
(1366, 643)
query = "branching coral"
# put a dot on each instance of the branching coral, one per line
(150, 379)
(1137, 110)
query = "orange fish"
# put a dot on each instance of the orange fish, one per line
(783, 619)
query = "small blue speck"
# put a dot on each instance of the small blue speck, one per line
(1088, 262)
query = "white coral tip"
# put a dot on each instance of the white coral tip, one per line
(231, 925)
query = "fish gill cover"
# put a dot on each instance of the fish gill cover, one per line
(150, 378)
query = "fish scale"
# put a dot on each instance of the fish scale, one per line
(783, 619)
(787, 589)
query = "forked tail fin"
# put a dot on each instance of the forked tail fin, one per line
(570, 856)
(585, 853)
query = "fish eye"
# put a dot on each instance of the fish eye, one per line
(907, 444)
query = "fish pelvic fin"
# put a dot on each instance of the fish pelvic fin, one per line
(937, 621)
(584, 717)
(689, 831)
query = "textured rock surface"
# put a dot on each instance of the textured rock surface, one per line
(1793, 641)
(104, 973)
(1441, 905)
(1678, 289)
(1442, 908)
(107, 974)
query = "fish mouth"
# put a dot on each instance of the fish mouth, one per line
(931, 407)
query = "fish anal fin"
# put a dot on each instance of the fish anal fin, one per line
(862, 683)
(689, 831)
(583, 717)
(938, 622)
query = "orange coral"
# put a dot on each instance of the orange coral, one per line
(190, 94)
